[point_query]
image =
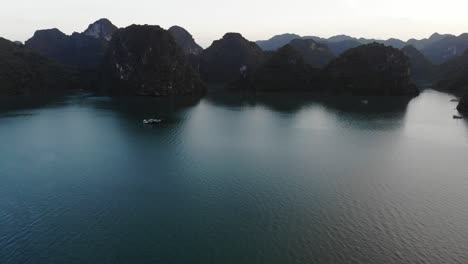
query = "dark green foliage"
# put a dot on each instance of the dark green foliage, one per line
(371, 69)
(24, 72)
(452, 76)
(145, 60)
(77, 50)
(223, 60)
(421, 68)
(188, 45)
(285, 71)
(185, 41)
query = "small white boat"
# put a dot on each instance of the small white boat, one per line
(152, 121)
(365, 101)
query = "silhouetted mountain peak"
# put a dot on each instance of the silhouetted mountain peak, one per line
(339, 38)
(233, 36)
(53, 32)
(78, 49)
(185, 40)
(277, 41)
(444, 47)
(285, 36)
(145, 60)
(435, 36)
(102, 28)
(229, 57)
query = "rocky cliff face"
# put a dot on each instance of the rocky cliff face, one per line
(371, 69)
(24, 72)
(101, 29)
(185, 41)
(229, 58)
(315, 54)
(285, 71)
(421, 68)
(145, 60)
(188, 45)
(82, 50)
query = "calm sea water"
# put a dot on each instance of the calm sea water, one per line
(234, 179)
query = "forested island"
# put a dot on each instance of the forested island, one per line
(148, 60)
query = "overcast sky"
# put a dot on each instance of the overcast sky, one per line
(208, 20)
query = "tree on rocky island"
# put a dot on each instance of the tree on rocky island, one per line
(372, 69)
(230, 57)
(145, 60)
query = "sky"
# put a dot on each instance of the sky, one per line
(208, 20)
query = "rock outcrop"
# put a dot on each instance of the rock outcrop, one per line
(188, 45)
(229, 58)
(372, 69)
(185, 41)
(101, 29)
(145, 60)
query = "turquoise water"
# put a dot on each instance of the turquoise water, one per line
(234, 179)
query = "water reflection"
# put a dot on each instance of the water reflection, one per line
(8, 104)
(234, 179)
(374, 112)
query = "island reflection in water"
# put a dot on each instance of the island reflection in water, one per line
(234, 179)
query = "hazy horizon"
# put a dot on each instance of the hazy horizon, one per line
(208, 20)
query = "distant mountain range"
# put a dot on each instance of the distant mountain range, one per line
(152, 61)
(437, 48)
